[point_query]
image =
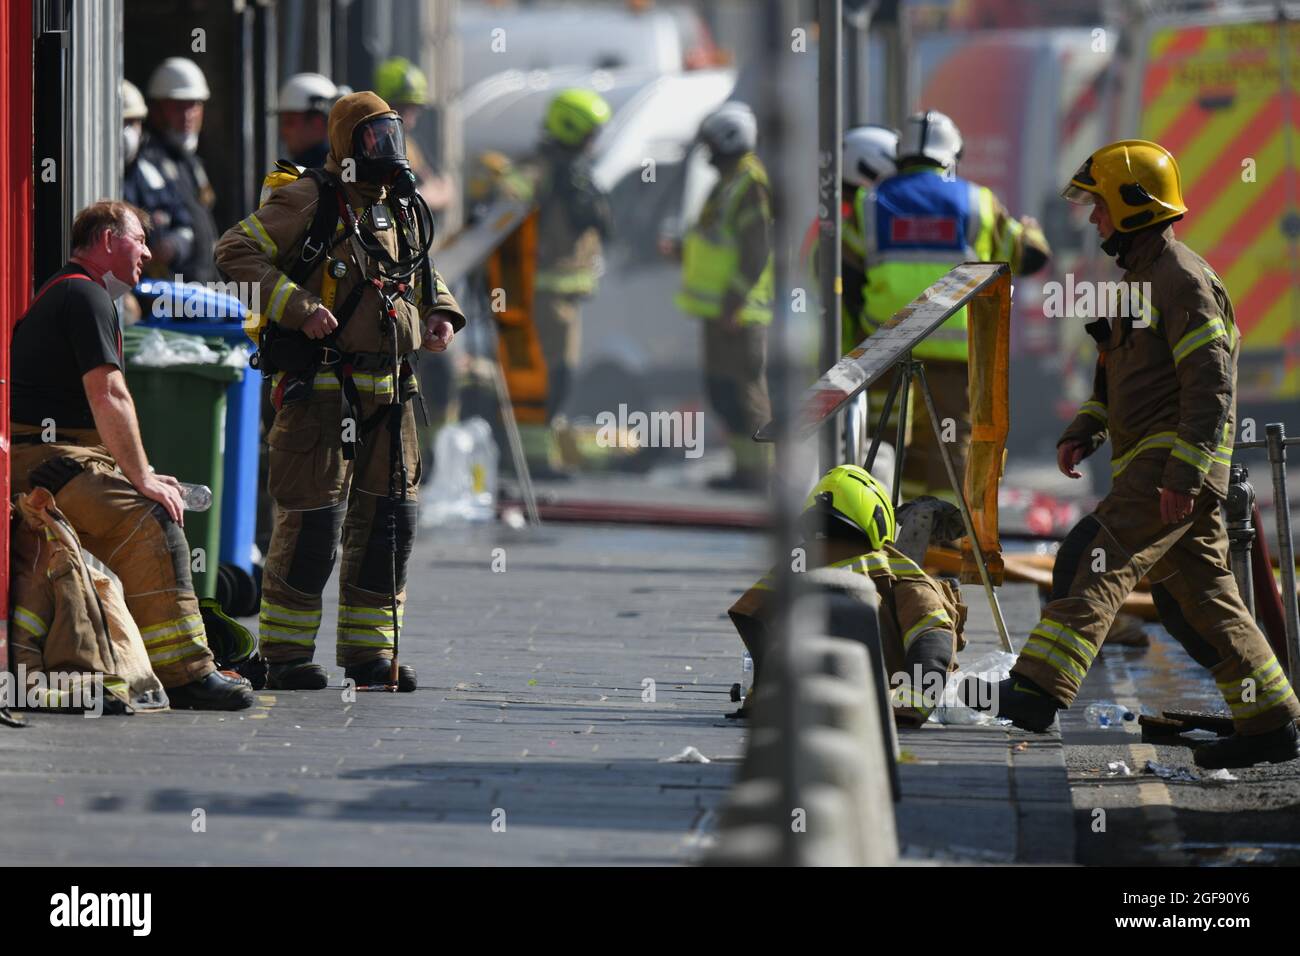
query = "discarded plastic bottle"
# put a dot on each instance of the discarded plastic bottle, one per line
(746, 674)
(1104, 714)
(196, 497)
(483, 457)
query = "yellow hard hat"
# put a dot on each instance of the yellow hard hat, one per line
(1139, 181)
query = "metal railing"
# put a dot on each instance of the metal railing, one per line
(1241, 534)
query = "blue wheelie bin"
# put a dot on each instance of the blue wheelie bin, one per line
(195, 310)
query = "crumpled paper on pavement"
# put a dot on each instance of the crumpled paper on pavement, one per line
(689, 755)
(1220, 774)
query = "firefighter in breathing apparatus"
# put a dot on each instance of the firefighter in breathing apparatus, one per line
(921, 619)
(348, 294)
(1165, 396)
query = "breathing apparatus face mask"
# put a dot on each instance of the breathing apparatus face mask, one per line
(380, 151)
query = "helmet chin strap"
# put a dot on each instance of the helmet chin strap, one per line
(1116, 244)
(1119, 243)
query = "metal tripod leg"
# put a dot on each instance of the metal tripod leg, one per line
(999, 622)
(884, 419)
(906, 370)
(512, 433)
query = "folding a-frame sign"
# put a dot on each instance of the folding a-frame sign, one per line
(984, 289)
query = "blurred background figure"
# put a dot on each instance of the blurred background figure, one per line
(870, 155)
(171, 235)
(401, 84)
(915, 227)
(303, 112)
(177, 91)
(574, 219)
(727, 281)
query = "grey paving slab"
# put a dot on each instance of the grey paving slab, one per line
(987, 793)
(532, 739)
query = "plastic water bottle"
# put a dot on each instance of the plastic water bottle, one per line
(196, 497)
(483, 457)
(746, 674)
(464, 485)
(1105, 714)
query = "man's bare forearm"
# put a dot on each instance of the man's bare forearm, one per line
(117, 424)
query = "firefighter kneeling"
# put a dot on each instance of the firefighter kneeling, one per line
(349, 295)
(921, 619)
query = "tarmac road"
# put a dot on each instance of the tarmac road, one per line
(1149, 821)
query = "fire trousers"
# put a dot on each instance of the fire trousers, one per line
(923, 471)
(319, 495)
(132, 535)
(736, 381)
(559, 332)
(1101, 562)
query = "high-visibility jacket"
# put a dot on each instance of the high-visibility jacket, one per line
(915, 226)
(721, 251)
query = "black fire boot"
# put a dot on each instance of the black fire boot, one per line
(1017, 699)
(379, 672)
(214, 692)
(296, 675)
(1275, 746)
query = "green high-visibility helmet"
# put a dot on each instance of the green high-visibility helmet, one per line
(399, 82)
(574, 115)
(850, 499)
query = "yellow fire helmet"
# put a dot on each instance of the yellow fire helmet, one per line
(1139, 181)
(849, 498)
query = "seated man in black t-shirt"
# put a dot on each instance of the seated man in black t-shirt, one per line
(74, 431)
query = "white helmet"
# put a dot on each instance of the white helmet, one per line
(730, 130)
(306, 93)
(933, 135)
(869, 153)
(177, 78)
(133, 107)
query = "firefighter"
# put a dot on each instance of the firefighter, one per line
(727, 282)
(346, 310)
(921, 619)
(302, 111)
(869, 156)
(915, 227)
(177, 93)
(75, 433)
(171, 236)
(1165, 396)
(400, 83)
(574, 220)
